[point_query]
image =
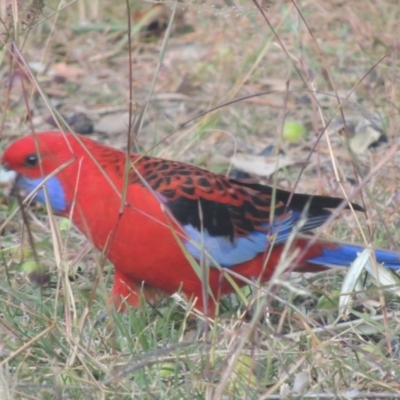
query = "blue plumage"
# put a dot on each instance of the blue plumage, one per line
(345, 254)
(228, 252)
(223, 251)
(220, 250)
(54, 190)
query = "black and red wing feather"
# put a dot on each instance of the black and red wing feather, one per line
(230, 208)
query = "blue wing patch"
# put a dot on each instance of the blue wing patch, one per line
(221, 250)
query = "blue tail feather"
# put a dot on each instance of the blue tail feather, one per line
(345, 254)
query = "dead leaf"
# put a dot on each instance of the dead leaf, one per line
(361, 141)
(67, 71)
(301, 383)
(262, 166)
(113, 124)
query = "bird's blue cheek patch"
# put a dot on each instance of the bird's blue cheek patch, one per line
(54, 189)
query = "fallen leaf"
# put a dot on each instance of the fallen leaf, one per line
(262, 166)
(113, 123)
(67, 71)
(361, 141)
(301, 383)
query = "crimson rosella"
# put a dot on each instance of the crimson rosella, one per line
(176, 220)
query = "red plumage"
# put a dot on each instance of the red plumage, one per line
(165, 202)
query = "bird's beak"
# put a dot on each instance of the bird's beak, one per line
(7, 180)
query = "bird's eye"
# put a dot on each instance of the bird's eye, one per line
(32, 160)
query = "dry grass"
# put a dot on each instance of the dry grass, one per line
(325, 61)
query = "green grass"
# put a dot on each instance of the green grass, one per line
(61, 339)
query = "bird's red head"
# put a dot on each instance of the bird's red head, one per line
(52, 158)
(38, 155)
